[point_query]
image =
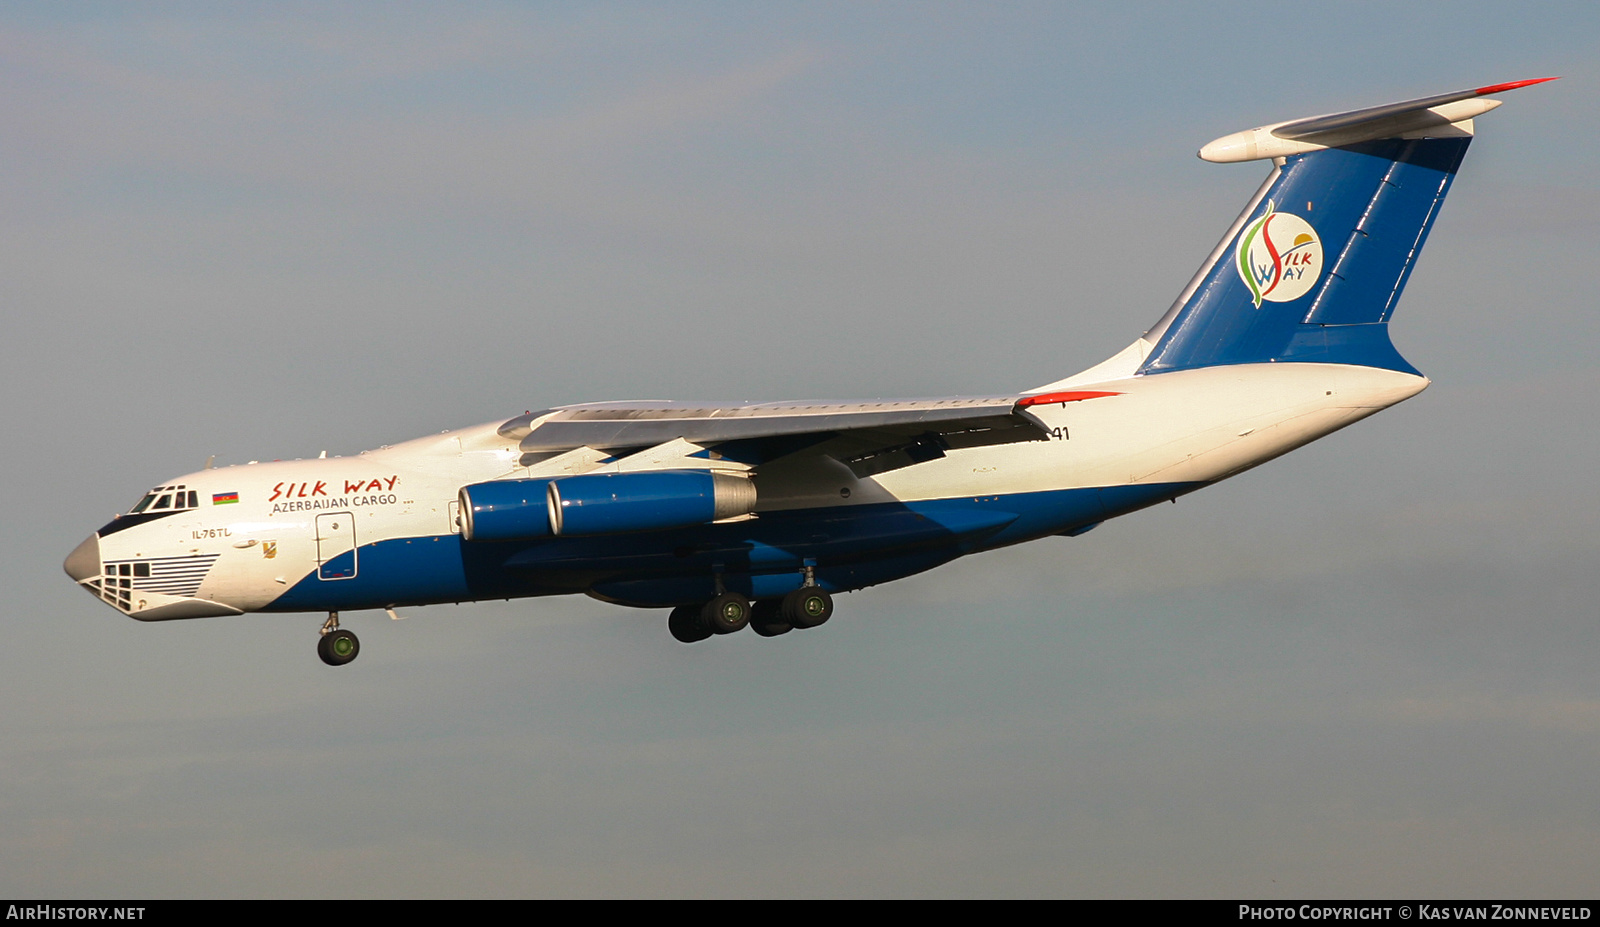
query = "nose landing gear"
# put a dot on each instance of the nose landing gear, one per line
(337, 646)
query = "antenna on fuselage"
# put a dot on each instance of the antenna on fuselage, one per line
(209, 462)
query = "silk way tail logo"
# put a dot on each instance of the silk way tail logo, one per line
(1279, 257)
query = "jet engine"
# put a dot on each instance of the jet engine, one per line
(602, 503)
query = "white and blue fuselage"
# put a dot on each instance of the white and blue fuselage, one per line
(382, 529)
(753, 514)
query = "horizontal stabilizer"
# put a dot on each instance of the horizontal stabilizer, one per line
(1443, 114)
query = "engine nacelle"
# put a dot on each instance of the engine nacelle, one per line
(602, 503)
(613, 503)
(506, 510)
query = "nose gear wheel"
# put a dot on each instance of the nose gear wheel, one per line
(337, 646)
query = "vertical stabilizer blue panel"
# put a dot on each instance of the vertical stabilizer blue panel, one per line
(1315, 272)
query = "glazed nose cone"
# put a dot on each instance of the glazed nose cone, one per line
(84, 561)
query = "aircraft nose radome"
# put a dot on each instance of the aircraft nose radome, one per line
(84, 561)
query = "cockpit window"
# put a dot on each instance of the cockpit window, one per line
(166, 498)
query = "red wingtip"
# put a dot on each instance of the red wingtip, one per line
(1499, 88)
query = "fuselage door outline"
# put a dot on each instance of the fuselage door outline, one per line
(336, 534)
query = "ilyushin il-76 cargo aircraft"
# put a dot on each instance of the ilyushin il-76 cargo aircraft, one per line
(757, 514)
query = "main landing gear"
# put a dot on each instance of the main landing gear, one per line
(806, 607)
(337, 646)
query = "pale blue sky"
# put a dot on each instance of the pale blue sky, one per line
(262, 232)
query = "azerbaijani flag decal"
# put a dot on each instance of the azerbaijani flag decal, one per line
(224, 498)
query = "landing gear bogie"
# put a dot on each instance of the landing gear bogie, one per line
(726, 613)
(766, 618)
(807, 607)
(687, 625)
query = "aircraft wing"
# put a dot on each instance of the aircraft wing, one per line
(872, 436)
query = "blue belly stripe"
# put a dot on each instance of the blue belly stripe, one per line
(851, 546)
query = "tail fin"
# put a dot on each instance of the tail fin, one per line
(1316, 270)
(1312, 269)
